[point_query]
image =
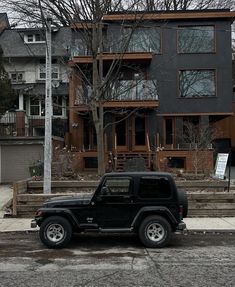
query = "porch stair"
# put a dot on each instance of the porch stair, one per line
(122, 158)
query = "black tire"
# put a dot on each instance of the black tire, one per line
(55, 232)
(183, 200)
(155, 232)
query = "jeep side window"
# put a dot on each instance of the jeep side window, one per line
(153, 187)
(117, 186)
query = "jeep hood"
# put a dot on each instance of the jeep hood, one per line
(69, 200)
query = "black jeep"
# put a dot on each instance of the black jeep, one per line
(147, 203)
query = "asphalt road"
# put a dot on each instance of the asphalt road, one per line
(117, 260)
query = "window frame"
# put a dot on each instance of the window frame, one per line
(53, 67)
(17, 73)
(195, 96)
(42, 107)
(34, 38)
(181, 27)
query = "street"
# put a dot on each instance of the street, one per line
(197, 259)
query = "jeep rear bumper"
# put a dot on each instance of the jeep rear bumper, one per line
(33, 223)
(181, 226)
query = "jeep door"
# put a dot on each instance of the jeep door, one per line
(115, 207)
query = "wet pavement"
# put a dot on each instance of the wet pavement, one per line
(197, 259)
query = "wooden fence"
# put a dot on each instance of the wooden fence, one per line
(206, 198)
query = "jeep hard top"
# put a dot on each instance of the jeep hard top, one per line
(147, 203)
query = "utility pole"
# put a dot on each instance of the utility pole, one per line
(48, 113)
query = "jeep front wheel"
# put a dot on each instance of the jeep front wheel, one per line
(55, 232)
(155, 232)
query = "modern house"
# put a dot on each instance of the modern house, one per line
(176, 72)
(22, 127)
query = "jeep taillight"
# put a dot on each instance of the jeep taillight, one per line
(38, 213)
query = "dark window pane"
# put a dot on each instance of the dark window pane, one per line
(176, 162)
(57, 106)
(34, 107)
(90, 162)
(197, 83)
(140, 131)
(121, 132)
(30, 38)
(154, 188)
(196, 39)
(89, 135)
(37, 37)
(169, 131)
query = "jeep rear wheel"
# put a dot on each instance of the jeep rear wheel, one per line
(155, 232)
(55, 232)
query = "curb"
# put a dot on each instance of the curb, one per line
(187, 231)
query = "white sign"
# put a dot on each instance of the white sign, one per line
(220, 166)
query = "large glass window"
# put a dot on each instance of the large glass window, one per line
(196, 39)
(197, 83)
(145, 40)
(141, 39)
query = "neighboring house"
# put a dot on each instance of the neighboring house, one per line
(22, 127)
(24, 59)
(178, 70)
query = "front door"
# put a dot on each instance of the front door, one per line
(115, 208)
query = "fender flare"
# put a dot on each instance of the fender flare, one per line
(155, 209)
(59, 211)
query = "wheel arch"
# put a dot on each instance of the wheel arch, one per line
(149, 211)
(62, 212)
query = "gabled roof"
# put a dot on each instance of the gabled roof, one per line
(13, 45)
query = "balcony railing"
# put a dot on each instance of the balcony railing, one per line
(8, 124)
(12, 124)
(129, 90)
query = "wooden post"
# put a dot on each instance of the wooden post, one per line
(115, 151)
(14, 201)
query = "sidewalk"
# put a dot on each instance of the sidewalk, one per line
(6, 194)
(203, 224)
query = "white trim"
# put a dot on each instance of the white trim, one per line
(34, 41)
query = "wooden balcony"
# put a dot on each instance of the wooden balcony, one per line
(125, 94)
(109, 57)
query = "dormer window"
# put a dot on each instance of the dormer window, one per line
(34, 38)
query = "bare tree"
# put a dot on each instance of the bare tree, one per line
(89, 14)
(154, 5)
(199, 139)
